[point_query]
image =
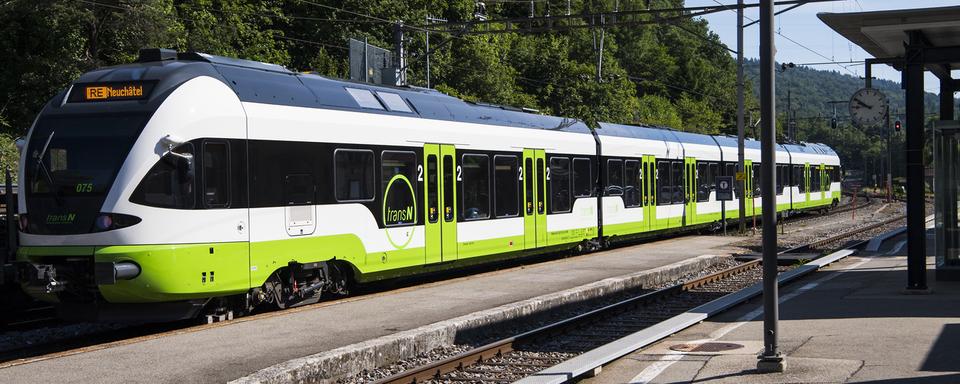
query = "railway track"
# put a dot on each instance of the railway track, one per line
(35, 316)
(516, 357)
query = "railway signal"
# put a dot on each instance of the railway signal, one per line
(897, 126)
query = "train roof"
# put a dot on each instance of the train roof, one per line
(260, 82)
(654, 133)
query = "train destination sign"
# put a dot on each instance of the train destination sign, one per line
(115, 91)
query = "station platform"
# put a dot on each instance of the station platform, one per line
(233, 350)
(851, 322)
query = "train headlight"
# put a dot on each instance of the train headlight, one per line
(111, 221)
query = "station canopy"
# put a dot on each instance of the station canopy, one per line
(883, 34)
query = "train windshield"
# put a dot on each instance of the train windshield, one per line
(70, 164)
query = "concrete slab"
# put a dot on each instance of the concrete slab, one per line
(406, 322)
(848, 323)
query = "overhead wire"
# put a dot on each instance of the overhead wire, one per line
(789, 39)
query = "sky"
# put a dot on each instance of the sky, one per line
(820, 42)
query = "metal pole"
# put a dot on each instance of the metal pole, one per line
(916, 222)
(11, 220)
(740, 183)
(771, 360)
(366, 63)
(723, 215)
(401, 53)
(889, 158)
(428, 54)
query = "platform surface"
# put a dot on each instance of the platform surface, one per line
(220, 354)
(848, 323)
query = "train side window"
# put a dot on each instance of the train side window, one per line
(814, 178)
(433, 209)
(703, 182)
(631, 184)
(541, 187)
(298, 189)
(560, 184)
(664, 183)
(216, 174)
(448, 185)
(677, 173)
(615, 177)
(798, 178)
(756, 179)
(169, 183)
(397, 169)
(528, 182)
(354, 174)
(781, 176)
(475, 186)
(582, 182)
(506, 187)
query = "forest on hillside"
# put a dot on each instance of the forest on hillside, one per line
(675, 74)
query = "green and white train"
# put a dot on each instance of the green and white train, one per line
(187, 183)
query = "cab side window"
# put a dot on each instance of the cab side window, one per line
(170, 182)
(216, 174)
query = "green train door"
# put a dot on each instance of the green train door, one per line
(433, 233)
(823, 181)
(449, 173)
(648, 184)
(806, 181)
(748, 186)
(690, 190)
(648, 187)
(440, 212)
(534, 178)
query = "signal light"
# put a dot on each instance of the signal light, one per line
(897, 125)
(833, 122)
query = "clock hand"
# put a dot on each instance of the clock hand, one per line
(862, 103)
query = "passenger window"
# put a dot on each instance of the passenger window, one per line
(582, 182)
(677, 173)
(560, 184)
(355, 175)
(704, 186)
(756, 180)
(433, 207)
(216, 174)
(799, 179)
(398, 183)
(448, 185)
(298, 189)
(781, 176)
(169, 183)
(541, 187)
(614, 177)
(506, 186)
(631, 185)
(475, 186)
(664, 183)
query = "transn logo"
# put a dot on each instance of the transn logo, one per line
(98, 93)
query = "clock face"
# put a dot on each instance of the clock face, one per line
(868, 106)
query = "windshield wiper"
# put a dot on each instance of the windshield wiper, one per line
(46, 172)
